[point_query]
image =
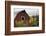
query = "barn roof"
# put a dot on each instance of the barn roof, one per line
(25, 12)
(22, 11)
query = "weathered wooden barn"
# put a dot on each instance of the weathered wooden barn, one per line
(22, 15)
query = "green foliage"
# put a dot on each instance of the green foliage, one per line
(35, 22)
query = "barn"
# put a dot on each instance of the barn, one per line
(21, 16)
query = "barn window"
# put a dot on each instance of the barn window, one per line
(22, 18)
